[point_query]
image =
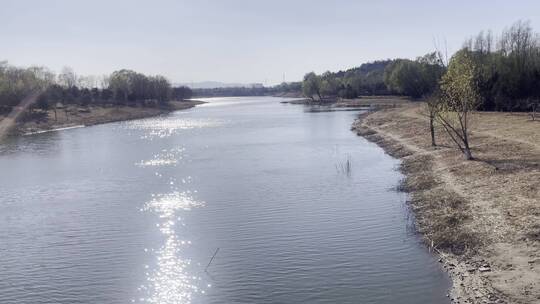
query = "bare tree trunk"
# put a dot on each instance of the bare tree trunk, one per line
(467, 153)
(433, 108)
(466, 148)
(465, 129)
(458, 134)
(432, 130)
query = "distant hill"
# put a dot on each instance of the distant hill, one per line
(217, 84)
(377, 66)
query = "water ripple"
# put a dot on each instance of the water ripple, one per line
(164, 158)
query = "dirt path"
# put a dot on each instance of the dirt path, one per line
(483, 216)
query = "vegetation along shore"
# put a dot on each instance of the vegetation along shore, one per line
(468, 136)
(470, 151)
(35, 99)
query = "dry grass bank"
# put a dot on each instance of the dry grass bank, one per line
(483, 216)
(92, 115)
(372, 101)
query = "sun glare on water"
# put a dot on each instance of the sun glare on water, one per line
(164, 158)
(170, 282)
(166, 127)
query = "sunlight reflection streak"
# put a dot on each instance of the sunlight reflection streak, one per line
(161, 128)
(171, 281)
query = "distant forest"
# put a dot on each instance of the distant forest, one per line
(506, 73)
(283, 88)
(123, 87)
(368, 79)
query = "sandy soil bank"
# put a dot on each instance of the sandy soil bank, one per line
(364, 101)
(92, 115)
(482, 216)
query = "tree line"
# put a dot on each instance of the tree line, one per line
(414, 78)
(487, 73)
(284, 87)
(367, 79)
(507, 70)
(123, 87)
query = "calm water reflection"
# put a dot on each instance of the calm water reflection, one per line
(133, 211)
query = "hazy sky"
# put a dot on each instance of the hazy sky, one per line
(237, 40)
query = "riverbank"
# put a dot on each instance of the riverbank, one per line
(75, 116)
(289, 95)
(482, 216)
(363, 101)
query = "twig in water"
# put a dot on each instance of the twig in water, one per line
(215, 253)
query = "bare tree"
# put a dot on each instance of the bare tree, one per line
(67, 77)
(432, 109)
(104, 81)
(460, 96)
(88, 82)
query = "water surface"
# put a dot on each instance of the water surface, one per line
(134, 211)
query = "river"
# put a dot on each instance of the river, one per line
(298, 208)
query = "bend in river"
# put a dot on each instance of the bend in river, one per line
(301, 209)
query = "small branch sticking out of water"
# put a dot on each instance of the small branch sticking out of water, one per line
(215, 253)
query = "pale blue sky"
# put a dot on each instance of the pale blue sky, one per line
(239, 40)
